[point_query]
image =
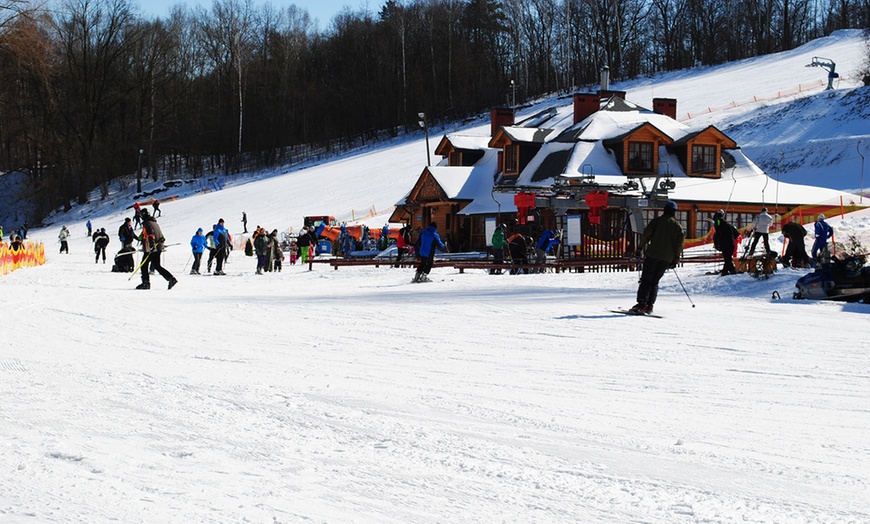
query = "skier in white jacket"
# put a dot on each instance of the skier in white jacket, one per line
(761, 229)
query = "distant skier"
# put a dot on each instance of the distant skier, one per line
(152, 240)
(663, 239)
(426, 251)
(823, 231)
(88, 225)
(137, 214)
(156, 205)
(197, 246)
(724, 240)
(101, 240)
(63, 236)
(222, 241)
(245, 221)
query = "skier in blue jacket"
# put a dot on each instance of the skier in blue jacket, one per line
(426, 251)
(823, 231)
(197, 244)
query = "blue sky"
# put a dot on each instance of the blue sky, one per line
(323, 10)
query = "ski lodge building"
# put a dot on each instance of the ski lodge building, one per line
(598, 154)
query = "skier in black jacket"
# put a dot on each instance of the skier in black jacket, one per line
(101, 240)
(796, 250)
(724, 238)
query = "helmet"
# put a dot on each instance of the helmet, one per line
(502, 226)
(143, 213)
(821, 216)
(764, 210)
(670, 204)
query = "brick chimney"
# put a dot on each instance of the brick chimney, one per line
(585, 104)
(665, 106)
(500, 116)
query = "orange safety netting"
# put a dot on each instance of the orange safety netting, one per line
(30, 255)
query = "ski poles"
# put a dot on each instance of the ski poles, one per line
(681, 285)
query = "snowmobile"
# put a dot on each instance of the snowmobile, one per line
(847, 280)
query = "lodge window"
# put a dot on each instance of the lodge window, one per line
(704, 160)
(455, 159)
(511, 159)
(640, 156)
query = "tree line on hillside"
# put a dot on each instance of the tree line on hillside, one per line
(93, 90)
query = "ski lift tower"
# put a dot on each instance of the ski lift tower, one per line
(828, 65)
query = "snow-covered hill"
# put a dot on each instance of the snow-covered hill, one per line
(354, 396)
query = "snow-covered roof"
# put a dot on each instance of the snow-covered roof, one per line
(469, 141)
(527, 134)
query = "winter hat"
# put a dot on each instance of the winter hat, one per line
(821, 216)
(721, 212)
(126, 220)
(199, 230)
(220, 221)
(764, 210)
(670, 204)
(433, 224)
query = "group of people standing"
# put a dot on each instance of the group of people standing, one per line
(725, 239)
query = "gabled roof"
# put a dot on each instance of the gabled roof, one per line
(664, 138)
(514, 134)
(726, 141)
(467, 142)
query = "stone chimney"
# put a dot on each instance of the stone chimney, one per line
(665, 106)
(585, 104)
(499, 117)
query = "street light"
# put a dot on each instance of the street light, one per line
(425, 125)
(858, 147)
(139, 174)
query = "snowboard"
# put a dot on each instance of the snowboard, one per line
(629, 313)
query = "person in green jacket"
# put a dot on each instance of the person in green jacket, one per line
(498, 243)
(663, 239)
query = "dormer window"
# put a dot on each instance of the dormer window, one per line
(640, 156)
(704, 160)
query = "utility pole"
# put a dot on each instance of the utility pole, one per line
(425, 125)
(858, 147)
(139, 174)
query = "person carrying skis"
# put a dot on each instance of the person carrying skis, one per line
(663, 241)
(63, 236)
(137, 214)
(795, 252)
(197, 246)
(823, 231)
(724, 239)
(761, 230)
(101, 240)
(426, 251)
(152, 241)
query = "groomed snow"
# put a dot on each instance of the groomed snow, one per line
(354, 396)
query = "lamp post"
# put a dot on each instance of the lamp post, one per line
(425, 125)
(858, 147)
(139, 173)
